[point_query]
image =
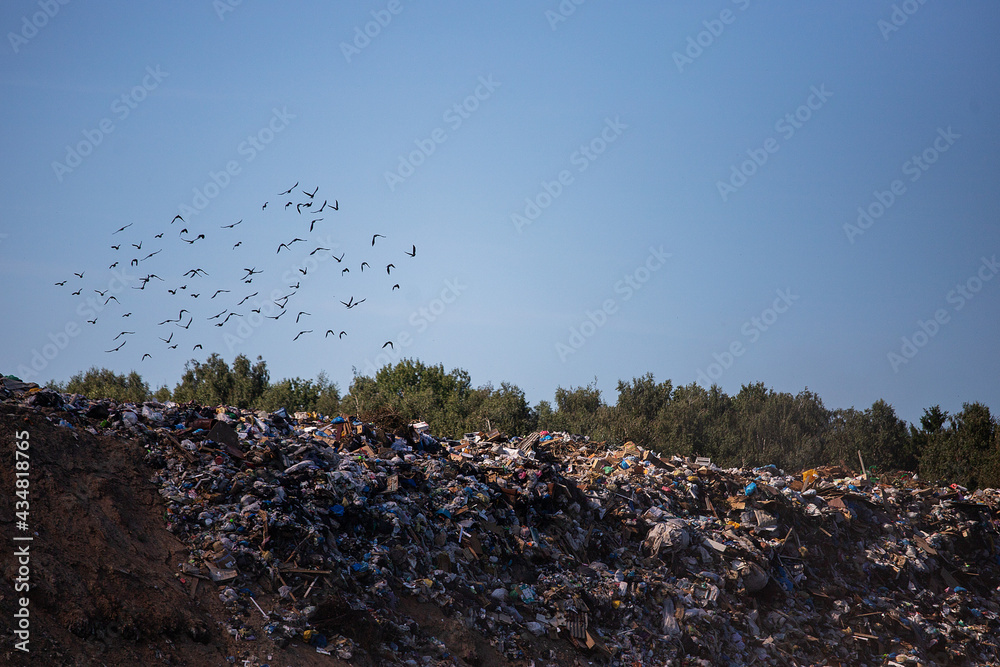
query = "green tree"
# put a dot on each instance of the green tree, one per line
(103, 383)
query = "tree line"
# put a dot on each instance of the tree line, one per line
(757, 426)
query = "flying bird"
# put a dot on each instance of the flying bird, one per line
(194, 272)
(116, 247)
(232, 225)
(274, 317)
(215, 317)
(159, 236)
(168, 338)
(303, 271)
(151, 254)
(314, 222)
(76, 293)
(339, 259)
(126, 314)
(295, 286)
(195, 296)
(109, 299)
(183, 231)
(146, 355)
(328, 332)
(342, 334)
(264, 206)
(197, 347)
(300, 333)
(177, 217)
(251, 272)
(388, 343)
(388, 268)
(93, 321)
(287, 204)
(363, 265)
(375, 236)
(200, 236)
(247, 297)
(122, 334)
(228, 316)
(137, 247)
(238, 244)
(218, 292)
(100, 292)
(289, 190)
(79, 275)
(414, 253)
(313, 193)
(185, 326)
(113, 265)
(346, 270)
(115, 349)
(63, 283)
(301, 313)
(122, 229)
(396, 286)
(172, 347)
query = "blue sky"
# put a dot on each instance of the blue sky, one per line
(596, 191)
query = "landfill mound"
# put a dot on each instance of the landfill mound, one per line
(202, 535)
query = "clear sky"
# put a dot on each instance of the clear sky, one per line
(733, 191)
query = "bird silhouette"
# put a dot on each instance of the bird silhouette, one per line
(134, 262)
(200, 236)
(185, 326)
(238, 244)
(363, 265)
(116, 247)
(264, 206)
(215, 317)
(146, 355)
(126, 314)
(339, 259)
(79, 275)
(93, 321)
(195, 296)
(251, 272)
(122, 229)
(64, 282)
(287, 204)
(177, 217)
(388, 269)
(414, 253)
(375, 236)
(388, 343)
(197, 347)
(313, 193)
(122, 334)
(314, 222)
(115, 349)
(151, 254)
(274, 317)
(218, 292)
(232, 225)
(304, 270)
(295, 286)
(300, 333)
(228, 316)
(100, 292)
(247, 297)
(159, 236)
(396, 286)
(301, 313)
(183, 231)
(76, 293)
(289, 190)
(194, 272)
(346, 270)
(342, 334)
(137, 247)
(172, 347)
(336, 205)
(113, 265)
(172, 291)
(168, 338)
(109, 299)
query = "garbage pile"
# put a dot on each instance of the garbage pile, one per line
(552, 546)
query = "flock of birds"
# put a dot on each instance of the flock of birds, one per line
(194, 288)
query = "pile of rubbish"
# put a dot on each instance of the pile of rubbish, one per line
(550, 545)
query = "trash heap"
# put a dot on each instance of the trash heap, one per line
(552, 546)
